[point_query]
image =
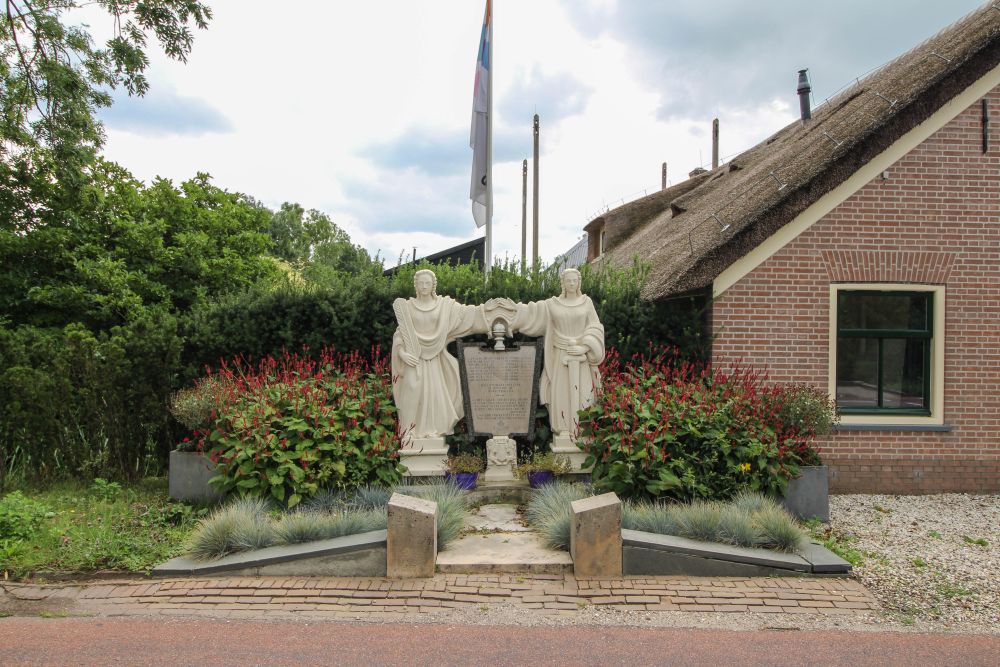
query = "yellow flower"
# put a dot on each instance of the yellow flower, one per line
(745, 467)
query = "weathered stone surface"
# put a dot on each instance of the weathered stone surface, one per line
(361, 555)
(596, 536)
(808, 496)
(188, 477)
(411, 544)
(726, 552)
(501, 455)
(823, 560)
(424, 457)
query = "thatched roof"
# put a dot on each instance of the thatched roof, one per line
(693, 231)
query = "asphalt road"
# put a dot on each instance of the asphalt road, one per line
(148, 642)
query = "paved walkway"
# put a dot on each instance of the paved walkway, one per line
(395, 599)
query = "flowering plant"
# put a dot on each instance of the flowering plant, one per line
(666, 427)
(288, 427)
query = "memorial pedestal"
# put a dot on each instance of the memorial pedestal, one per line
(565, 445)
(501, 454)
(424, 457)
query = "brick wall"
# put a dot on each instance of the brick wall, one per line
(935, 219)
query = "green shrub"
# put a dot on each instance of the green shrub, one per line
(20, 517)
(353, 311)
(465, 463)
(663, 427)
(286, 428)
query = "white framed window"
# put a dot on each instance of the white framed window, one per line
(887, 353)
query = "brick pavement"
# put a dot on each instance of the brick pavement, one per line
(386, 599)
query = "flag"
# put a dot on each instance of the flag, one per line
(480, 189)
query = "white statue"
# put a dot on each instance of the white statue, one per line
(574, 348)
(426, 384)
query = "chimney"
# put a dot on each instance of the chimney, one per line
(715, 143)
(804, 90)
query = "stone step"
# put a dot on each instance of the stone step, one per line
(476, 553)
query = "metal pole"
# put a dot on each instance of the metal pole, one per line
(534, 201)
(488, 258)
(663, 177)
(524, 214)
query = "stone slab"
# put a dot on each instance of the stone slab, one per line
(496, 517)
(638, 561)
(823, 560)
(348, 556)
(500, 388)
(188, 475)
(506, 491)
(411, 542)
(424, 457)
(503, 552)
(712, 550)
(808, 495)
(596, 536)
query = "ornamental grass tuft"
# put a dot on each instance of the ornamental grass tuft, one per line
(778, 529)
(451, 507)
(305, 526)
(549, 511)
(242, 525)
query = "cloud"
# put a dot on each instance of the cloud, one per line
(409, 200)
(741, 54)
(442, 153)
(553, 97)
(163, 112)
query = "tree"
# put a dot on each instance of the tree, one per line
(53, 77)
(313, 242)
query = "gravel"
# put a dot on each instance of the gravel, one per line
(931, 561)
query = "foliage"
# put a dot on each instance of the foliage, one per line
(312, 242)
(20, 517)
(287, 427)
(53, 77)
(543, 462)
(550, 514)
(465, 463)
(75, 403)
(88, 531)
(353, 311)
(663, 427)
(810, 412)
(192, 406)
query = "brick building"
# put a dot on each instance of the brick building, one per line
(859, 251)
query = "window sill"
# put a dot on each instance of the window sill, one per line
(942, 428)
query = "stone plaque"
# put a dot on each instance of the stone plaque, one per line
(500, 387)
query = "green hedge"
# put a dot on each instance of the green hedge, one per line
(355, 312)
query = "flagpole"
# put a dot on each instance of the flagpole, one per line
(489, 148)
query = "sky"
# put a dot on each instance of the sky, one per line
(362, 109)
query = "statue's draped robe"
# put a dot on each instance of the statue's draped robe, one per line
(565, 322)
(429, 395)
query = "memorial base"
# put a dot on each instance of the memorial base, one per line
(565, 445)
(501, 454)
(424, 457)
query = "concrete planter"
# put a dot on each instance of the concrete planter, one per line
(189, 475)
(808, 495)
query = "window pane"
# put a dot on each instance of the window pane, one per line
(882, 312)
(857, 372)
(903, 372)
